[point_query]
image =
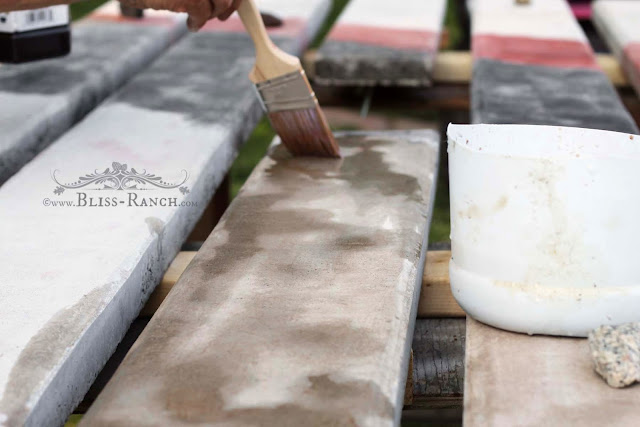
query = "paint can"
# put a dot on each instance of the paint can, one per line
(30, 35)
(545, 226)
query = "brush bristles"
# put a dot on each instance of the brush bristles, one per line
(305, 132)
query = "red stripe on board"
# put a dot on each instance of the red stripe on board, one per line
(631, 63)
(386, 37)
(525, 50)
(581, 11)
(291, 27)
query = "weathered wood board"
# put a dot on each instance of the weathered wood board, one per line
(378, 42)
(619, 24)
(42, 99)
(299, 308)
(533, 65)
(514, 379)
(438, 350)
(75, 277)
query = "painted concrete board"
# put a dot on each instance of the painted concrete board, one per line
(514, 379)
(619, 24)
(299, 309)
(74, 277)
(533, 65)
(378, 42)
(42, 99)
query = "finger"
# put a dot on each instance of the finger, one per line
(199, 13)
(195, 22)
(234, 6)
(220, 7)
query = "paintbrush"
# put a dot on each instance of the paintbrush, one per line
(286, 94)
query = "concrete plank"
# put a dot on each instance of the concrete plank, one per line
(514, 379)
(377, 42)
(42, 99)
(76, 276)
(299, 308)
(617, 22)
(533, 64)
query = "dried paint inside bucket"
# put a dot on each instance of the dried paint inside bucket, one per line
(545, 224)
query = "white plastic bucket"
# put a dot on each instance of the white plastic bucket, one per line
(545, 226)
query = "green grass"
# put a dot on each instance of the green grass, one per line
(83, 8)
(452, 24)
(440, 222)
(334, 13)
(250, 155)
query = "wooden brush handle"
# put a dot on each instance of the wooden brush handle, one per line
(270, 60)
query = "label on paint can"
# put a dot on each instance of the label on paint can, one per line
(34, 19)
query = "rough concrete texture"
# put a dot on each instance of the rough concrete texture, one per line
(615, 351)
(505, 93)
(617, 23)
(533, 65)
(378, 43)
(520, 380)
(75, 277)
(42, 99)
(299, 308)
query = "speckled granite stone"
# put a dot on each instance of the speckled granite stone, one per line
(616, 353)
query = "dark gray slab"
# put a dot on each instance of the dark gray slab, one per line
(508, 93)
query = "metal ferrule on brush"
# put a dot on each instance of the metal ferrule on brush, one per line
(288, 92)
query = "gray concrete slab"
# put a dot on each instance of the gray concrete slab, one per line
(78, 267)
(299, 309)
(508, 93)
(377, 43)
(43, 99)
(515, 379)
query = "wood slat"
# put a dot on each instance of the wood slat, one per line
(376, 42)
(617, 22)
(533, 65)
(43, 99)
(436, 299)
(76, 277)
(439, 349)
(299, 308)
